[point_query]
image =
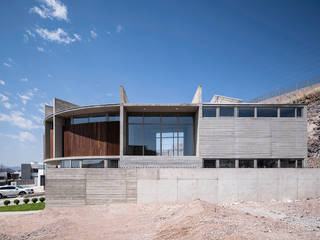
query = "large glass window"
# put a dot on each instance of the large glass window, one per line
(75, 164)
(226, 111)
(267, 163)
(209, 112)
(245, 112)
(287, 112)
(267, 112)
(288, 163)
(92, 163)
(209, 163)
(246, 163)
(65, 164)
(299, 112)
(160, 135)
(226, 163)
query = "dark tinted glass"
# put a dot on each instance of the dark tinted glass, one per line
(151, 120)
(286, 112)
(93, 164)
(151, 145)
(75, 164)
(227, 163)
(169, 120)
(267, 163)
(299, 112)
(245, 112)
(97, 119)
(135, 119)
(246, 163)
(185, 120)
(113, 163)
(209, 112)
(226, 111)
(299, 163)
(288, 163)
(65, 164)
(267, 112)
(186, 140)
(135, 144)
(80, 120)
(114, 118)
(209, 163)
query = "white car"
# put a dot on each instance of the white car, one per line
(13, 191)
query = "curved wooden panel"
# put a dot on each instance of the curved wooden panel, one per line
(92, 139)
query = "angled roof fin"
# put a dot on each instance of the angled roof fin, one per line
(123, 95)
(224, 99)
(48, 110)
(59, 105)
(197, 98)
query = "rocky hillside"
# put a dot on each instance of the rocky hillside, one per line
(313, 101)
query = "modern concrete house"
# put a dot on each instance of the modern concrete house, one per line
(83, 144)
(223, 133)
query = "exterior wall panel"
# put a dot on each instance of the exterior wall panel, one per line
(253, 138)
(92, 139)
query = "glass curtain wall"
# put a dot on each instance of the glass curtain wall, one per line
(160, 135)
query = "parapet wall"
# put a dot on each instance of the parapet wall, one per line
(101, 186)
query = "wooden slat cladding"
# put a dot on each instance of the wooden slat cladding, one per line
(51, 144)
(92, 139)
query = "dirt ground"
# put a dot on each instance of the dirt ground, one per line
(192, 220)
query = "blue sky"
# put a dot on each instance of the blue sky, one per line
(81, 51)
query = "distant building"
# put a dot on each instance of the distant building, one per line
(34, 171)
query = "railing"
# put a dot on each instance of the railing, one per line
(288, 89)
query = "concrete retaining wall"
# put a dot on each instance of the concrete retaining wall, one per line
(100, 186)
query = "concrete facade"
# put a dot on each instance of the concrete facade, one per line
(101, 186)
(155, 176)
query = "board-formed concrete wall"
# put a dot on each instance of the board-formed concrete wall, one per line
(253, 137)
(101, 186)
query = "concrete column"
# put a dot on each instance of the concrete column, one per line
(58, 124)
(121, 129)
(218, 111)
(255, 163)
(279, 163)
(255, 112)
(198, 118)
(278, 109)
(217, 163)
(237, 163)
(235, 112)
(105, 165)
(80, 165)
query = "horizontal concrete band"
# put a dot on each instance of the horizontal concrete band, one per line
(100, 186)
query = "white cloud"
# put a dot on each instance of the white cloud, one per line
(22, 136)
(109, 94)
(77, 36)
(31, 34)
(7, 105)
(6, 64)
(37, 119)
(49, 75)
(3, 98)
(93, 34)
(27, 96)
(24, 79)
(51, 9)
(17, 118)
(10, 60)
(58, 35)
(2, 82)
(40, 49)
(119, 28)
